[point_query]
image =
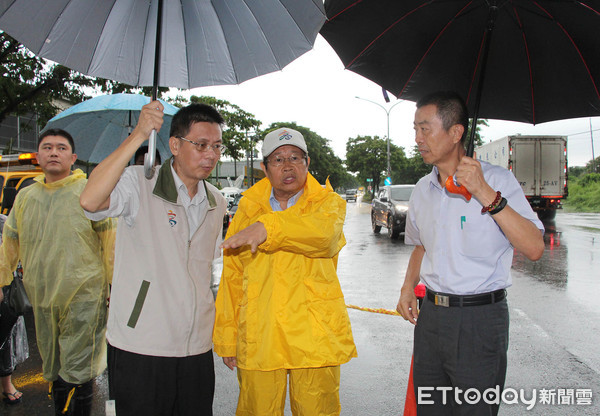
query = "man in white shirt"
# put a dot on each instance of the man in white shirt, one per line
(161, 314)
(463, 254)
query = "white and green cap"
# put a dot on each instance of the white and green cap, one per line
(282, 137)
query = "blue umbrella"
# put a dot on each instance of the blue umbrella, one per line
(99, 125)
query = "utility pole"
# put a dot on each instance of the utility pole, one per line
(250, 139)
(592, 137)
(387, 113)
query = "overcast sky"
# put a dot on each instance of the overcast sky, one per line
(315, 91)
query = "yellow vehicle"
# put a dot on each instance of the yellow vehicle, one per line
(16, 173)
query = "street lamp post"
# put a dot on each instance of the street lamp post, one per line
(387, 112)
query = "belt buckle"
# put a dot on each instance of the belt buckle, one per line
(441, 300)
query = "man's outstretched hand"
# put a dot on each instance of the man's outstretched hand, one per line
(253, 236)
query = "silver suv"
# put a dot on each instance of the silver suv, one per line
(351, 195)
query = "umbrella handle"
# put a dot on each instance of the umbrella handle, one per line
(454, 188)
(150, 157)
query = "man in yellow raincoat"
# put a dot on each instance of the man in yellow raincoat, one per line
(280, 308)
(67, 261)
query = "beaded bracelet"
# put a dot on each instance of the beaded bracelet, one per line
(493, 204)
(500, 207)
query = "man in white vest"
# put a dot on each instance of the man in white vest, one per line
(161, 311)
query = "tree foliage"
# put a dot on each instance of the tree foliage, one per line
(30, 84)
(577, 171)
(416, 168)
(584, 193)
(367, 156)
(593, 166)
(323, 161)
(241, 126)
(481, 122)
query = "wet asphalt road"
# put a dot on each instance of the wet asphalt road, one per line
(555, 326)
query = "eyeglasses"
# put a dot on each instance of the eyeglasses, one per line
(204, 147)
(278, 161)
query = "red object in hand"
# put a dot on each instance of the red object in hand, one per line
(452, 187)
(420, 290)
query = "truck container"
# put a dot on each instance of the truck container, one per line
(540, 165)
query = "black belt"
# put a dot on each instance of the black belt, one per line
(446, 300)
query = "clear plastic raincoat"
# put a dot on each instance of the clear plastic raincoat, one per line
(283, 307)
(67, 261)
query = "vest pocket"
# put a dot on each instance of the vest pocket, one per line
(139, 303)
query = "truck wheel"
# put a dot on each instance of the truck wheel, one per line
(546, 214)
(393, 233)
(376, 228)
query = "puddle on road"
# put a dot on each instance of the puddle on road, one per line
(552, 268)
(571, 256)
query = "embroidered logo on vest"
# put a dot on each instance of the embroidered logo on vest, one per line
(172, 216)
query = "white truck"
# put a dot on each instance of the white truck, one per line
(540, 165)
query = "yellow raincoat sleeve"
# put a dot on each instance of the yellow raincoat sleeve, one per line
(106, 230)
(9, 254)
(229, 297)
(315, 233)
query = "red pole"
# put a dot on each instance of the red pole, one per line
(410, 404)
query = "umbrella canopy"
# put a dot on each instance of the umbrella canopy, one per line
(99, 125)
(543, 60)
(169, 43)
(202, 43)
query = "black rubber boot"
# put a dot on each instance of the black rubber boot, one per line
(82, 401)
(60, 394)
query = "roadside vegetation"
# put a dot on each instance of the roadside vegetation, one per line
(584, 190)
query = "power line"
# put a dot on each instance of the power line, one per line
(587, 132)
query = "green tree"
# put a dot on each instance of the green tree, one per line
(593, 165)
(241, 126)
(323, 161)
(30, 84)
(577, 171)
(481, 122)
(367, 156)
(415, 167)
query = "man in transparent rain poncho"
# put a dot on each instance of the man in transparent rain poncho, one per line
(66, 260)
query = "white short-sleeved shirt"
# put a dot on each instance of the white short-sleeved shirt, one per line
(125, 200)
(466, 252)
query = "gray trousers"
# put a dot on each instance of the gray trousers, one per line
(460, 348)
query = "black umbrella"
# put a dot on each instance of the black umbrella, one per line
(520, 60)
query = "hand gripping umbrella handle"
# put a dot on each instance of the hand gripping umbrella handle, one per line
(452, 187)
(150, 156)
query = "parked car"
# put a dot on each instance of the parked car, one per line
(230, 193)
(351, 195)
(231, 210)
(389, 209)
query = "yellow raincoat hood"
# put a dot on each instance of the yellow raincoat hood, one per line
(283, 307)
